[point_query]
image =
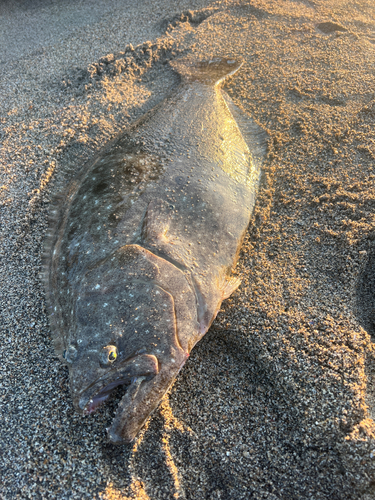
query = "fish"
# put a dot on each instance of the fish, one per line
(143, 241)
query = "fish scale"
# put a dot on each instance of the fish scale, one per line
(143, 243)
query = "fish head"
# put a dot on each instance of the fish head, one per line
(125, 333)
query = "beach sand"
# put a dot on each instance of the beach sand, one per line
(277, 400)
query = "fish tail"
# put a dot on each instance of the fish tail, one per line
(210, 71)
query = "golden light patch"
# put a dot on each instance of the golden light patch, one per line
(171, 423)
(44, 181)
(136, 488)
(124, 92)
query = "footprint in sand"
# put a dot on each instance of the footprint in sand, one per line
(328, 28)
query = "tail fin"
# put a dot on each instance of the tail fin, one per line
(210, 72)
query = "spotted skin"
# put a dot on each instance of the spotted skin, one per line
(143, 243)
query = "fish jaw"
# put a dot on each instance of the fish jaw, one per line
(143, 366)
(142, 398)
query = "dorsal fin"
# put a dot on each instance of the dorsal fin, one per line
(210, 71)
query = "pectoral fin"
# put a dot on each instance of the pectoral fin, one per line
(156, 221)
(230, 286)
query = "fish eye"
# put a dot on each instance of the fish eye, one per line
(109, 354)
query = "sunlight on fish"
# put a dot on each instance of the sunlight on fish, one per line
(143, 242)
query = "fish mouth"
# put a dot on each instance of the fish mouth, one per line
(103, 395)
(147, 382)
(142, 398)
(135, 371)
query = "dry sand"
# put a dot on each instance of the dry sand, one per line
(277, 400)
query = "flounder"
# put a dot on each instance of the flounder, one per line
(143, 242)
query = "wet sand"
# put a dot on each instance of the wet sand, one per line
(278, 398)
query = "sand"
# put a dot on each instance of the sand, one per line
(277, 401)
